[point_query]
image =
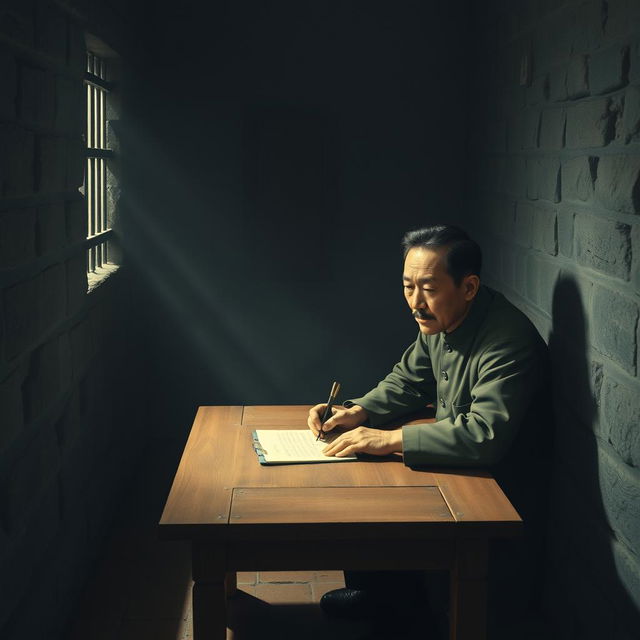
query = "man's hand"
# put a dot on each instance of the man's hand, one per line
(365, 440)
(344, 418)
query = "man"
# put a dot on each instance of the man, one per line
(478, 360)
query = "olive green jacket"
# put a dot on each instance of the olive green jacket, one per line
(482, 378)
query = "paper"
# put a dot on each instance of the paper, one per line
(281, 446)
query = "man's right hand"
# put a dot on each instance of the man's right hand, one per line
(341, 417)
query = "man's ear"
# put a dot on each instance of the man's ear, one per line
(471, 284)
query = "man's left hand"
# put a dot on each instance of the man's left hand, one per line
(365, 440)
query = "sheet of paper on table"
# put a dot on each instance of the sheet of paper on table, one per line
(289, 446)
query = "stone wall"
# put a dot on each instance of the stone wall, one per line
(554, 198)
(67, 429)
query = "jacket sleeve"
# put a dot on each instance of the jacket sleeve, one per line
(409, 387)
(508, 379)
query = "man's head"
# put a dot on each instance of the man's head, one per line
(441, 276)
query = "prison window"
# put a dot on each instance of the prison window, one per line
(100, 262)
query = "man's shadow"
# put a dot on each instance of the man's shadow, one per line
(591, 589)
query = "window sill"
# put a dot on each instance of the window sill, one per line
(100, 275)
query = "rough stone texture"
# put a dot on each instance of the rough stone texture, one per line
(56, 396)
(631, 114)
(17, 160)
(578, 177)
(17, 236)
(523, 223)
(622, 18)
(51, 297)
(615, 320)
(75, 162)
(622, 416)
(552, 126)
(541, 277)
(558, 84)
(565, 232)
(76, 283)
(51, 228)
(515, 177)
(37, 96)
(76, 226)
(69, 116)
(543, 179)
(530, 129)
(618, 183)
(535, 226)
(577, 77)
(20, 316)
(52, 160)
(604, 245)
(545, 230)
(608, 69)
(620, 486)
(43, 383)
(590, 124)
(634, 63)
(538, 91)
(592, 306)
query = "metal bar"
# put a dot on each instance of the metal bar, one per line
(97, 81)
(96, 115)
(98, 162)
(89, 138)
(92, 152)
(104, 206)
(95, 204)
(9, 277)
(103, 121)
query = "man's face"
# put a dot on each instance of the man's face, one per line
(438, 304)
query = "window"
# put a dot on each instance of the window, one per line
(100, 261)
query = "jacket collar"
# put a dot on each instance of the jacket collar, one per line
(460, 337)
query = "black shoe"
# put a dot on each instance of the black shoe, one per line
(347, 604)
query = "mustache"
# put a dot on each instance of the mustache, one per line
(422, 314)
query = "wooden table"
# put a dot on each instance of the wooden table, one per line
(241, 516)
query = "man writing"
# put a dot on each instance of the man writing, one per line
(477, 359)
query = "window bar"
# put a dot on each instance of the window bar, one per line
(96, 181)
(89, 193)
(105, 257)
(98, 169)
(103, 184)
(89, 198)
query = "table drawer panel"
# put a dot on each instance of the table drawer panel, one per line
(338, 504)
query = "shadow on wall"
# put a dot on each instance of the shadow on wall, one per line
(586, 561)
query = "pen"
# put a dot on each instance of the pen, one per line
(333, 394)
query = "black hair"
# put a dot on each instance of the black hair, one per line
(463, 257)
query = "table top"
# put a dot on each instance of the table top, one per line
(221, 491)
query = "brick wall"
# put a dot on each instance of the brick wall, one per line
(554, 198)
(66, 432)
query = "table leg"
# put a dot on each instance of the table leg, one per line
(469, 591)
(231, 584)
(209, 599)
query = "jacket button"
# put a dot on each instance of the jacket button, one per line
(448, 347)
(443, 404)
(445, 375)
